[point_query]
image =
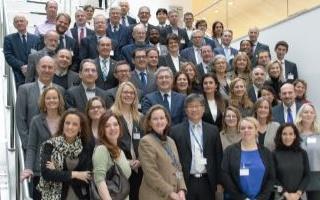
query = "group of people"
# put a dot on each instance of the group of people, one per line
(182, 113)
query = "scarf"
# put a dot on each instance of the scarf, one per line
(61, 149)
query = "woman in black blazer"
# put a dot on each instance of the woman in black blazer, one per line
(66, 160)
(247, 168)
(214, 104)
(126, 108)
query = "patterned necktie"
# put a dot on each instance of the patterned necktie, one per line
(123, 21)
(104, 69)
(289, 116)
(166, 102)
(143, 79)
(81, 35)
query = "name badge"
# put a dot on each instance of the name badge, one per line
(202, 161)
(290, 76)
(136, 136)
(311, 140)
(244, 172)
(111, 53)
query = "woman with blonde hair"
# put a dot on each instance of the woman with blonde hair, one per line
(125, 108)
(239, 97)
(275, 80)
(241, 67)
(307, 123)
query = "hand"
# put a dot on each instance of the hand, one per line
(174, 196)
(182, 195)
(135, 164)
(24, 69)
(81, 175)
(220, 188)
(27, 173)
(295, 196)
(50, 165)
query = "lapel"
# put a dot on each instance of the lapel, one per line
(170, 63)
(82, 94)
(193, 55)
(99, 69)
(112, 63)
(138, 81)
(45, 124)
(186, 133)
(74, 32)
(281, 113)
(201, 70)
(36, 90)
(204, 139)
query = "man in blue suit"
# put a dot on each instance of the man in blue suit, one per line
(287, 110)
(193, 54)
(203, 26)
(171, 100)
(289, 69)
(225, 49)
(18, 46)
(118, 33)
(126, 20)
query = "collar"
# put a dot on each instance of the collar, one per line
(162, 93)
(86, 87)
(42, 84)
(291, 107)
(101, 59)
(139, 71)
(61, 73)
(225, 47)
(192, 124)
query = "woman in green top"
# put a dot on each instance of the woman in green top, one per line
(109, 132)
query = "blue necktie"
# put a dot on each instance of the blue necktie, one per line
(143, 79)
(123, 21)
(166, 102)
(24, 42)
(289, 116)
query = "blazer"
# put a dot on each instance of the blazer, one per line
(151, 82)
(159, 175)
(182, 33)
(278, 114)
(216, 42)
(206, 41)
(74, 33)
(212, 150)
(126, 52)
(220, 51)
(207, 116)
(131, 20)
(64, 176)
(251, 93)
(38, 133)
(177, 104)
(72, 79)
(270, 134)
(17, 56)
(111, 80)
(88, 47)
(259, 47)
(189, 55)
(163, 50)
(76, 97)
(291, 71)
(231, 167)
(166, 60)
(200, 70)
(27, 107)
(119, 39)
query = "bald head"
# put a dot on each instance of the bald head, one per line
(287, 94)
(253, 34)
(46, 68)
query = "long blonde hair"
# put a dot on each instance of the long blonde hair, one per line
(117, 107)
(315, 124)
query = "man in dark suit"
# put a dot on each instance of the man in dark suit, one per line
(80, 31)
(162, 16)
(51, 42)
(173, 28)
(63, 76)
(28, 96)
(173, 60)
(193, 54)
(263, 58)
(258, 77)
(225, 49)
(207, 57)
(289, 69)
(139, 35)
(88, 47)
(105, 65)
(117, 32)
(200, 151)
(78, 96)
(154, 40)
(17, 47)
(140, 77)
(203, 26)
(171, 100)
(253, 34)
(286, 111)
(126, 20)
(188, 20)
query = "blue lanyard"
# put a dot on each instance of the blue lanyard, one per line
(196, 139)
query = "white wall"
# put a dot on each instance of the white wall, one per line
(302, 33)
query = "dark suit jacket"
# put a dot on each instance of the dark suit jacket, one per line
(126, 52)
(131, 20)
(291, 71)
(259, 48)
(189, 55)
(181, 33)
(278, 114)
(206, 41)
(111, 80)
(76, 97)
(151, 82)
(251, 93)
(167, 61)
(119, 39)
(17, 56)
(177, 104)
(212, 150)
(74, 32)
(207, 116)
(220, 51)
(200, 70)
(88, 47)
(72, 78)
(149, 27)
(27, 107)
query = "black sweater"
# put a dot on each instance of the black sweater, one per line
(292, 170)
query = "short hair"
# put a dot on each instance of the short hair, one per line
(155, 28)
(50, 1)
(85, 61)
(195, 32)
(257, 105)
(173, 11)
(112, 8)
(66, 15)
(162, 10)
(227, 30)
(187, 13)
(295, 146)
(146, 123)
(263, 51)
(103, 38)
(252, 120)
(48, 33)
(144, 7)
(192, 98)
(138, 50)
(282, 43)
(42, 104)
(162, 69)
(173, 36)
(201, 21)
(152, 49)
(86, 7)
(120, 62)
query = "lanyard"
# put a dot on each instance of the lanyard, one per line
(196, 139)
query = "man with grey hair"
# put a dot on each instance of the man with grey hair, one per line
(17, 47)
(80, 31)
(126, 20)
(225, 49)
(200, 150)
(207, 58)
(88, 47)
(193, 54)
(171, 100)
(258, 77)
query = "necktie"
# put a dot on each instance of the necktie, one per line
(199, 59)
(81, 35)
(166, 102)
(289, 116)
(61, 43)
(104, 69)
(123, 21)
(115, 28)
(24, 42)
(143, 79)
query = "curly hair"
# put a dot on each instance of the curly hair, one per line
(295, 146)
